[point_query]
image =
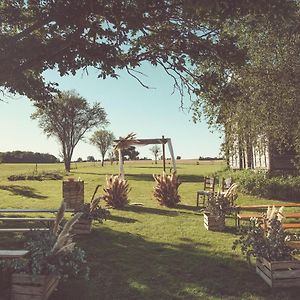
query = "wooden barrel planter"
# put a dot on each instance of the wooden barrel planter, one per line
(279, 273)
(213, 223)
(73, 193)
(82, 226)
(29, 287)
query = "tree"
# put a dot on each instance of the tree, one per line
(79, 159)
(156, 151)
(103, 139)
(111, 35)
(259, 99)
(130, 153)
(67, 119)
(90, 158)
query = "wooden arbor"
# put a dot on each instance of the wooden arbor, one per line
(130, 140)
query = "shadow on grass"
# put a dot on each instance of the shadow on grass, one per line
(121, 219)
(25, 191)
(149, 177)
(150, 210)
(127, 266)
(188, 207)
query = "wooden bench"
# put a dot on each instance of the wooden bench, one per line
(45, 221)
(239, 208)
(13, 253)
(247, 216)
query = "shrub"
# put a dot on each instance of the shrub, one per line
(39, 177)
(116, 192)
(166, 189)
(261, 184)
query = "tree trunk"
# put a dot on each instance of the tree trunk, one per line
(102, 163)
(67, 162)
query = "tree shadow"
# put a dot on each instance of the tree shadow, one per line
(25, 191)
(150, 210)
(134, 268)
(149, 177)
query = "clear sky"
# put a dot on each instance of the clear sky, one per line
(150, 113)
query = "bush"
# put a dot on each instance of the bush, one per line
(262, 185)
(116, 192)
(166, 189)
(39, 177)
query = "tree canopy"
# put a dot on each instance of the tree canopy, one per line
(110, 34)
(259, 99)
(68, 119)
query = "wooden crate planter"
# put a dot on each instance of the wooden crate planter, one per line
(279, 273)
(213, 223)
(29, 287)
(73, 194)
(82, 226)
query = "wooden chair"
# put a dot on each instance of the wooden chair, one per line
(209, 187)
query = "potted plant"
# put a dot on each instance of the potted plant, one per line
(214, 215)
(266, 240)
(52, 256)
(89, 212)
(166, 189)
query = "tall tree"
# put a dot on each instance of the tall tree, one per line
(67, 119)
(156, 151)
(103, 140)
(111, 34)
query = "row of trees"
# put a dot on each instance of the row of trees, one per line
(70, 117)
(27, 157)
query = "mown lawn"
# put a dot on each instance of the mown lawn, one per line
(147, 251)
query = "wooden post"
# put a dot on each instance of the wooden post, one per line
(164, 153)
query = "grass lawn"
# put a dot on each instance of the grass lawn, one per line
(147, 251)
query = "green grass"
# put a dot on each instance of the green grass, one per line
(148, 251)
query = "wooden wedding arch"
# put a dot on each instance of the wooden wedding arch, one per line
(132, 141)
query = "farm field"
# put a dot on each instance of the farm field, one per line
(146, 251)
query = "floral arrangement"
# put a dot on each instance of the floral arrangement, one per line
(166, 189)
(218, 205)
(93, 211)
(116, 191)
(266, 238)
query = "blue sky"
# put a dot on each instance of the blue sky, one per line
(150, 113)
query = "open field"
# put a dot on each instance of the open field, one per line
(148, 251)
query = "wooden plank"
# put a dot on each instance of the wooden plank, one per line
(22, 229)
(291, 225)
(264, 276)
(27, 219)
(28, 279)
(32, 210)
(281, 274)
(13, 253)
